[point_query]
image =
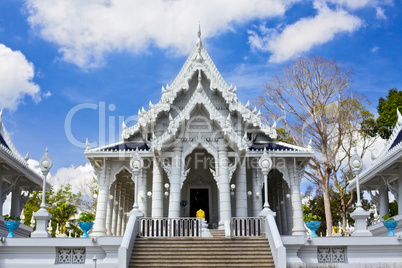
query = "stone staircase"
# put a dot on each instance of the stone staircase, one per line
(202, 252)
(217, 233)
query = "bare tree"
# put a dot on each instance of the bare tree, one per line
(310, 98)
(356, 127)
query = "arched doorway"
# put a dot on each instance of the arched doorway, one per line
(200, 189)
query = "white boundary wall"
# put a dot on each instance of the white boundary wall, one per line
(360, 251)
(41, 252)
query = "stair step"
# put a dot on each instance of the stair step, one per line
(202, 252)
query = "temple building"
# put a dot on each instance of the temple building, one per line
(384, 177)
(201, 149)
(17, 179)
(200, 152)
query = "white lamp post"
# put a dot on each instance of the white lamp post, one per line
(136, 164)
(265, 164)
(43, 216)
(359, 215)
(356, 163)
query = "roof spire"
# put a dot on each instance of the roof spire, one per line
(199, 42)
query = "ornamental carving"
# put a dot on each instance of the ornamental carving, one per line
(70, 255)
(331, 254)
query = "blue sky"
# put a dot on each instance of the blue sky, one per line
(112, 57)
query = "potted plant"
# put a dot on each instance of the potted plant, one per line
(11, 223)
(390, 224)
(312, 222)
(86, 222)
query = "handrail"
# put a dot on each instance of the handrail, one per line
(127, 244)
(247, 226)
(227, 229)
(275, 242)
(170, 227)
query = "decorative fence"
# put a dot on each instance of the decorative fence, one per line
(247, 226)
(170, 227)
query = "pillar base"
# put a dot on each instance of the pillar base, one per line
(360, 217)
(42, 217)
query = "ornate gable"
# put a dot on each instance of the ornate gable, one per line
(7, 146)
(199, 83)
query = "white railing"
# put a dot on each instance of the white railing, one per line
(247, 226)
(170, 227)
(275, 242)
(127, 244)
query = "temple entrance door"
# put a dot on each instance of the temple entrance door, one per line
(199, 199)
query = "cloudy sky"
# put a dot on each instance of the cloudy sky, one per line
(73, 69)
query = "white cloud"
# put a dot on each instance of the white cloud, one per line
(78, 177)
(34, 165)
(86, 31)
(47, 95)
(375, 49)
(304, 34)
(352, 4)
(16, 74)
(380, 13)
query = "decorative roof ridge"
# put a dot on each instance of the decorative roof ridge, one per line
(388, 154)
(198, 59)
(296, 147)
(16, 157)
(394, 134)
(103, 147)
(11, 148)
(196, 98)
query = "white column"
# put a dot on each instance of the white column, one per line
(115, 207)
(225, 212)
(101, 208)
(15, 201)
(1, 195)
(257, 195)
(126, 209)
(289, 215)
(109, 213)
(142, 189)
(241, 190)
(298, 224)
(175, 176)
(121, 207)
(400, 190)
(283, 214)
(157, 190)
(384, 200)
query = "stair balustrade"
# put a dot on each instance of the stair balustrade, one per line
(170, 227)
(247, 226)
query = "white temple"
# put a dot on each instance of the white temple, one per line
(200, 147)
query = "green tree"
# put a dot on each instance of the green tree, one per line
(315, 205)
(62, 204)
(387, 113)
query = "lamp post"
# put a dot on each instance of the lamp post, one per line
(136, 164)
(359, 215)
(265, 164)
(43, 216)
(356, 163)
